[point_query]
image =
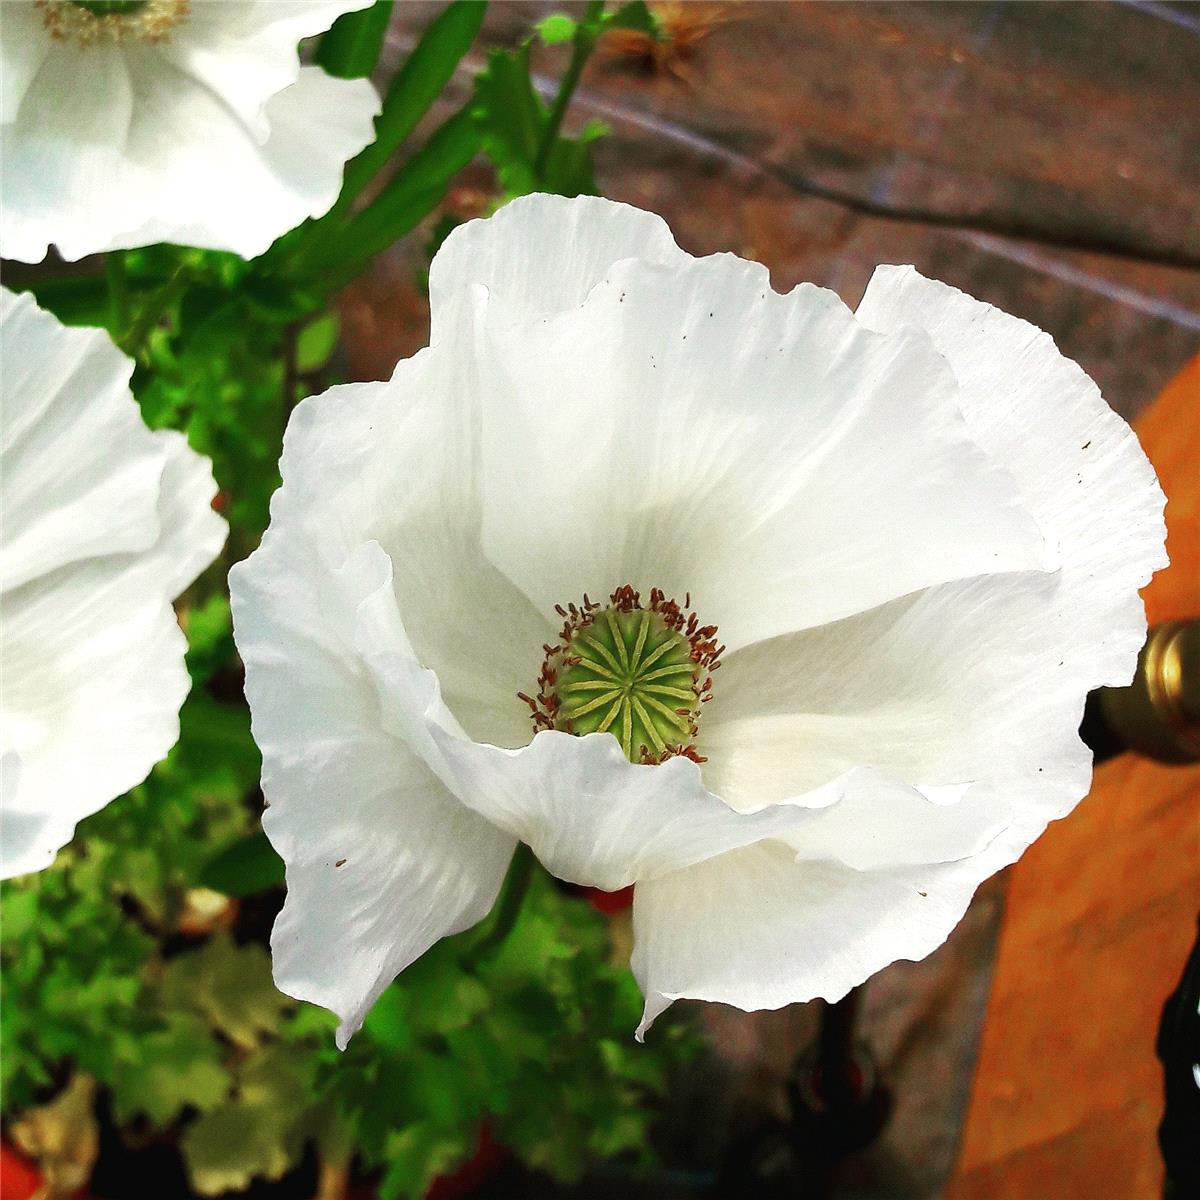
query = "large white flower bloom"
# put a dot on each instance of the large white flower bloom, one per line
(188, 121)
(105, 523)
(918, 530)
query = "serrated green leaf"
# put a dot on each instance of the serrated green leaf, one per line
(77, 300)
(417, 1155)
(171, 1069)
(257, 1135)
(230, 986)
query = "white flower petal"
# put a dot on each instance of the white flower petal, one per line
(63, 154)
(1079, 467)
(756, 929)
(24, 43)
(340, 782)
(245, 52)
(171, 157)
(81, 468)
(980, 680)
(957, 684)
(688, 428)
(381, 860)
(1081, 471)
(540, 255)
(92, 654)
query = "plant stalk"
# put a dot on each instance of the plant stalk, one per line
(581, 50)
(508, 907)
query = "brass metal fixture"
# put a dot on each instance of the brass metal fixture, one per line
(1158, 714)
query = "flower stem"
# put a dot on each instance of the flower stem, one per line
(581, 49)
(508, 907)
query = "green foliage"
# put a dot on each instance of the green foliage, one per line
(130, 959)
(351, 48)
(521, 134)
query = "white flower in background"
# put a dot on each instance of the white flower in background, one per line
(104, 524)
(917, 531)
(128, 122)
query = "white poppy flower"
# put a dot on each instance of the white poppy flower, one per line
(187, 121)
(918, 532)
(105, 523)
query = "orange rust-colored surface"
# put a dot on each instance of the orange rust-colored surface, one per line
(1100, 918)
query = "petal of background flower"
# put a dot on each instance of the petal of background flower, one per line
(81, 470)
(167, 159)
(206, 182)
(540, 255)
(23, 48)
(61, 157)
(93, 665)
(246, 52)
(686, 427)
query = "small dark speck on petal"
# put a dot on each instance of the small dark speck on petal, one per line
(1085, 445)
(341, 862)
(920, 893)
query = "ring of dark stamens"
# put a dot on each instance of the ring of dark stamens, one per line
(638, 671)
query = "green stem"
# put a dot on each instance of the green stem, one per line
(117, 274)
(581, 50)
(508, 907)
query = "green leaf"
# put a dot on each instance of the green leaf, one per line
(569, 165)
(246, 868)
(350, 49)
(259, 1134)
(417, 1155)
(555, 29)
(415, 87)
(170, 1070)
(230, 986)
(411, 196)
(511, 117)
